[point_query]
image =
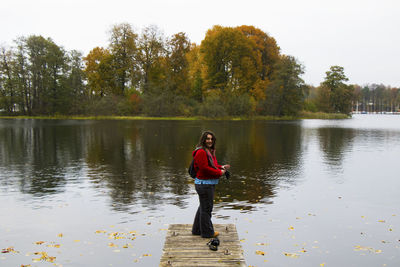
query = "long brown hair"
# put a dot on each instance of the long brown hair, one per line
(202, 141)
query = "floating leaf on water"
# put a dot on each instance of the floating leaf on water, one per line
(259, 252)
(112, 245)
(322, 264)
(77, 240)
(60, 235)
(291, 228)
(148, 223)
(39, 242)
(146, 255)
(44, 257)
(100, 232)
(303, 250)
(54, 246)
(382, 221)
(27, 265)
(291, 255)
(8, 250)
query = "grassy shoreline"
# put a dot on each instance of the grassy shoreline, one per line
(302, 116)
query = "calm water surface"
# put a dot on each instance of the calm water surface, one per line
(102, 193)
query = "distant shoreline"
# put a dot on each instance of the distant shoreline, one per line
(304, 115)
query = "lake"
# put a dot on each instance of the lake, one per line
(102, 193)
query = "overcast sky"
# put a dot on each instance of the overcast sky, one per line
(362, 36)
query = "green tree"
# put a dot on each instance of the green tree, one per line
(123, 49)
(285, 93)
(340, 94)
(151, 59)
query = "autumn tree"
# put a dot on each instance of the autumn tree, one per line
(177, 64)
(268, 52)
(99, 72)
(195, 73)
(230, 59)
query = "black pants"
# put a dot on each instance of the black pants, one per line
(202, 224)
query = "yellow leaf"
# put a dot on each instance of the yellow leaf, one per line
(382, 221)
(60, 235)
(259, 252)
(100, 231)
(39, 242)
(146, 255)
(112, 245)
(291, 228)
(322, 264)
(54, 246)
(291, 255)
(77, 240)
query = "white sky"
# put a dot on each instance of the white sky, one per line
(362, 36)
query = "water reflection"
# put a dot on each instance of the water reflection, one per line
(146, 161)
(334, 143)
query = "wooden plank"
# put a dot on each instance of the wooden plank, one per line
(181, 248)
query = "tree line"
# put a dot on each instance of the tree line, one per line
(234, 71)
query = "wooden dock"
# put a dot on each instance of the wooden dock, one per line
(181, 248)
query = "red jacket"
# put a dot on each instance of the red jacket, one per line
(204, 170)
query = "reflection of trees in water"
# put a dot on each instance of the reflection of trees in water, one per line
(145, 162)
(334, 142)
(38, 154)
(262, 154)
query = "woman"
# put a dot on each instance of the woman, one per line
(207, 176)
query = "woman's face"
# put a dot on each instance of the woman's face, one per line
(209, 141)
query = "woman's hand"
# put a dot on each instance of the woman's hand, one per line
(226, 167)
